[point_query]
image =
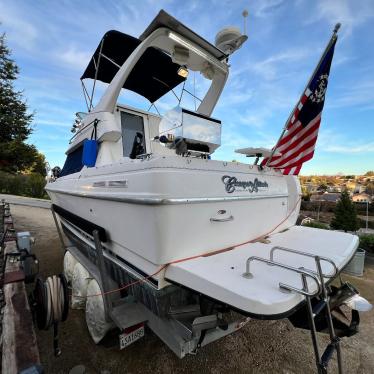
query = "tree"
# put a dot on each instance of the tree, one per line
(370, 188)
(15, 121)
(39, 165)
(322, 187)
(16, 156)
(345, 216)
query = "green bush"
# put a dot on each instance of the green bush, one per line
(317, 225)
(367, 242)
(22, 184)
(362, 223)
(35, 185)
(345, 216)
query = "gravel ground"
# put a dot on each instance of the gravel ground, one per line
(260, 347)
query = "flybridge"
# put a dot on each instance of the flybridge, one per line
(157, 69)
(153, 76)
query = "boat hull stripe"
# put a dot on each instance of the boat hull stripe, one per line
(165, 201)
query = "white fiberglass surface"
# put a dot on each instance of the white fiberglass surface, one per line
(220, 276)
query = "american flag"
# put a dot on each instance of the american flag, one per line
(298, 141)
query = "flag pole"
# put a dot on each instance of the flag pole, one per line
(332, 40)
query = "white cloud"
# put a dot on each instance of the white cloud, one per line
(75, 58)
(350, 13)
(330, 140)
(359, 93)
(19, 30)
(270, 67)
(52, 123)
(350, 148)
(264, 8)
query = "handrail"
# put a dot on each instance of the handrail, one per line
(303, 272)
(95, 122)
(316, 258)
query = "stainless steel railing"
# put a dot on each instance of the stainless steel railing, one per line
(303, 272)
(317, 259)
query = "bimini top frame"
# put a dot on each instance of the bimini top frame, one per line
(154, 75)
(147, 66)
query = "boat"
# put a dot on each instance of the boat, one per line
(181, 227)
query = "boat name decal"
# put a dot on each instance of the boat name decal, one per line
(232, 184)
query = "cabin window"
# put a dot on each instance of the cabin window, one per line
(133, 142)
(73, 162)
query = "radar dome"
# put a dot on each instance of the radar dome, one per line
(229, 39)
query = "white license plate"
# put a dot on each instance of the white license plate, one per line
(125, 339)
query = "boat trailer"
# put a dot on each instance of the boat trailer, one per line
(185, 329)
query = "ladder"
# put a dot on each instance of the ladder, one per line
(323, 306)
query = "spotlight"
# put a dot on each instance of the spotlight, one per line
(183, 72)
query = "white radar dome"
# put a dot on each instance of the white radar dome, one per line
(229, 39)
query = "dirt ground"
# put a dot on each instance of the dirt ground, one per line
(260, 347)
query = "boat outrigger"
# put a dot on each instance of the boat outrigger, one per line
(189, 245)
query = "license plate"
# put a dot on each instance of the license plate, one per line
(127, 338)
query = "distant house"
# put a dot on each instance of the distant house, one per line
(350, 185)
(310, 187)
(360, 188)
(327, 196)
(334, 189)
(361, 198)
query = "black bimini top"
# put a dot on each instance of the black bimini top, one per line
(152, 77)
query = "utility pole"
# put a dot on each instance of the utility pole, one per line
(319, 208)
(367, 216)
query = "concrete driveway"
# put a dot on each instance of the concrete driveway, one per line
(29, 201)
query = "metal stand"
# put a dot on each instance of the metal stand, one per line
(56, 347)
(103, 275)
(62, 243)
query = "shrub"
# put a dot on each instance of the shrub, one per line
(367, 242)
(362, 223)
(22, 184)
(35, 185)
(317, 225)
(345, 217)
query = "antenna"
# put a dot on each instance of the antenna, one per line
(245, 15)
(230, 39)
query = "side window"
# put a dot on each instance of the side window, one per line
(133, 142)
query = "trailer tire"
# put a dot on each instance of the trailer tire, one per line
(96, 322)
(79, 284)
(69, 264)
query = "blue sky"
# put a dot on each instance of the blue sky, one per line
(52, 42)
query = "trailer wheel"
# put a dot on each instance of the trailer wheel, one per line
(79, 284)
(69, 264)
(97, 324)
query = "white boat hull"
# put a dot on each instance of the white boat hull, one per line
(163, 227)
